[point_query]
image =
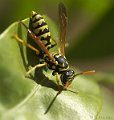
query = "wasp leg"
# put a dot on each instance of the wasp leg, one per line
(57, 80)
(25, 43)
(36, 66)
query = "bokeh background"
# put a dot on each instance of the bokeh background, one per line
(90, 29)
(90, 35)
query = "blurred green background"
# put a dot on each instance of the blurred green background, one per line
(90, 34)
(90, 29)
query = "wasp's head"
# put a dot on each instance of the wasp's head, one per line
(67, 78)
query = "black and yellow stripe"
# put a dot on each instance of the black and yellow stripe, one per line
(41, 29)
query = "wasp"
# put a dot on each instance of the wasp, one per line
(41, 35)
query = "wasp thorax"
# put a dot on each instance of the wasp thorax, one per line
(60, 65)
(67, 77)
(61, 60)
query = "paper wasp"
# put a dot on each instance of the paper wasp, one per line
(56, 62)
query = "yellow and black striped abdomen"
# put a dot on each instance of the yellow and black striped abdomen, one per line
(40, 29)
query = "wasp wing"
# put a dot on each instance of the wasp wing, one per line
(63, 26)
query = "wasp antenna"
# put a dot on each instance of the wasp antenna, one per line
(86, 72)
(89, 72)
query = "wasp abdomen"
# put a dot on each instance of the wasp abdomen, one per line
(41, 29)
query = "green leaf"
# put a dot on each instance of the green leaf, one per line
(23, 98)
(108, 103)
(106, 81)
